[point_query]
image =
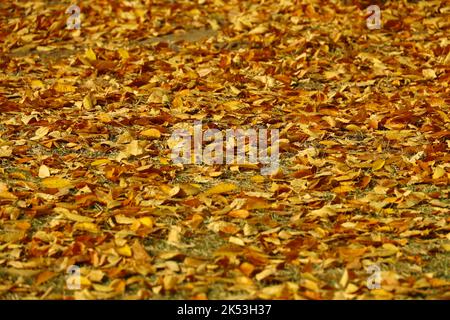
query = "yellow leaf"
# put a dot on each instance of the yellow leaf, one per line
(122, 219)
(264, 274)
(379, 148)
(100, 162)
(351, 288)
(40, 133)
(325, 211)
(190, 189)
(438, 172)
(44, 171)
(170, 281)
(133, 148)
(86, 226)
(429, 74)
(177, 102)
(56, 182)
(90, 54)
(85, 282)
(389, 211)
(124, 251)
(192, 74)
(443, 115)
(169, 190)
(123, 53)
(174, 235)
(61, 87)
(87, 103)
(344, 279)
(311, 285)
(102, 288)
(151, 133)
(352, 127)
(5, 151)
(221, 188)
(381, 294)
(7, 195)
(104, 117)
(72, 216)
(35, 84)
(257, 179)
(236, 241)
(378, 164)
(146, 221)
(397, 134)
(233, 105)
(390, 246)
(342, 189)
(261, 29)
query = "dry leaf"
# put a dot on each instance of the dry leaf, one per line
(55, 182)
(151, 133)
(221, 188)
(90, 54)
(438, 172)
(40, 133)
(378, 164)
(5, 151)
(124, 251)
(44, 171)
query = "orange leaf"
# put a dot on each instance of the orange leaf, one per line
(239, 214)
(44, 277)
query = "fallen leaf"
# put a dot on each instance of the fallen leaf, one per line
(5, 151)
(64, 88)
(438, 172)
(72, 216)
(134, 149)
(44, 277)
(124, 251)
(44, 171)
(378, 164)
(87, 102)
(40, 133)
(429, 74)
(90, 54)
(100, 162)
(87, 226)
(147, 221)
(221, 188)
(151, 133)
(55, 182)
(7, 195)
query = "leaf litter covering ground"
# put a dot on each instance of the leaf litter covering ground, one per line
(86, 177)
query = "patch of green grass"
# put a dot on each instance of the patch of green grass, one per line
(39, 223)
(289, 273)
(205, 246)
(328, 196)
